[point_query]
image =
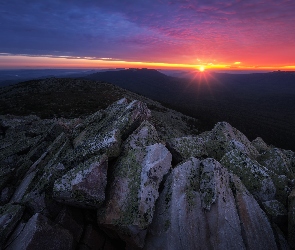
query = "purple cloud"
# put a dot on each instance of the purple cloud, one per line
(163, 30)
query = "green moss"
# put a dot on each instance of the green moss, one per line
(129, 167)
(192, 187)
(252, 174)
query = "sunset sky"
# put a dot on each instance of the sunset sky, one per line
(237, 34)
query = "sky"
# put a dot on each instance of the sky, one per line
(213, 34)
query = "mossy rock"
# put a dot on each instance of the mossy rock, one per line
(254, 176)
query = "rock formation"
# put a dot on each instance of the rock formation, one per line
(120, 178)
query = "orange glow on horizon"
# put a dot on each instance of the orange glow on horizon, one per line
(25, 61)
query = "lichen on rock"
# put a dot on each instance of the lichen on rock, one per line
(83, 186)
(254, 176)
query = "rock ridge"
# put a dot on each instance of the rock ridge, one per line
(121, 179)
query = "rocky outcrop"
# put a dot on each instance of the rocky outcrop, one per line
(215, 143)
(134, 190)
(254, 175)
(128, 177)
(40, 233)
(84, 185)
(196, 210)
(256, 228)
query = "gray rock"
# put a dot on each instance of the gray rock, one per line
(276, 161)
(254, 176)
(83, 186)
(5, 195)
(134, 191)
(256, 229)
(180, 221)
(101, 143)
(185, 147)
(144, 135)
(260, 145)
(215, 143)
(9, 217)
(120, 121)
(41, 233)
(224, 138)
(277, 213)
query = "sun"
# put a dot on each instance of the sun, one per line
(202, 68)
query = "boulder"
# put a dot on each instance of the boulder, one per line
(215, 143)
(40, 233)
(134, 190)
(224, 138)
(104, 136)
(260, 145)
(196, 210)
(185, 147)
(254, 176)
(144, 135)
(275, 160)
(9, 216)
(83, 186)
(277, 213)
(256, 229)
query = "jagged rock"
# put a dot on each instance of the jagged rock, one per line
(215, 143)
(134, 191)
(144, 135)
(290, 156)
(39, 233)
(276, 161)
(43, 171)
(180, 221)
(108, 143)
(115, 163)
(9, 216)
(254, 176)
(23, 187)
(5, 195)
(105, 136)
(291, 219)
(36, 189)
(186, 147)
(260, 145)
(277, 213)
(224, 138)
(84, 185)
(279, 166)
(256, 229)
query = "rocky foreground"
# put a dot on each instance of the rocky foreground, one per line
(114, 181)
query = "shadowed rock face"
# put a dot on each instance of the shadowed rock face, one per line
(108, 181)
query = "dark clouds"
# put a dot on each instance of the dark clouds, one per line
(141, 30)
